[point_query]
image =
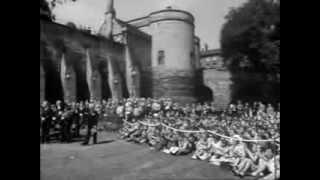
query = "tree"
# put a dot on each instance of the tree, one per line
(45, 11)
(53, 3)
(251, 34)
(46, 7)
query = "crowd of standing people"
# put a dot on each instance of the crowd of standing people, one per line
(63, 121)
(244, 136)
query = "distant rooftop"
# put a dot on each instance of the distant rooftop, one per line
(211, 52)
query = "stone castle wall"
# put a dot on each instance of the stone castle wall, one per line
(70, 80)
(228, 87)
(173, 83)
(139, 50)
(173, 39)
(75, 65)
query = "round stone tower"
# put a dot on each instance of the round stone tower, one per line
(173, 54)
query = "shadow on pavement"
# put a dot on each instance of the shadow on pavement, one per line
(106, 142)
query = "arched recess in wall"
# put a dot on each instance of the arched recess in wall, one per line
(120, 69)
(204, 93)
(51, 64)
(103, 69)
(81, 83)
(71, 59)
(125, 91)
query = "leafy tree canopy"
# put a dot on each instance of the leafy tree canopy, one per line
(251, 37)
(46, 7)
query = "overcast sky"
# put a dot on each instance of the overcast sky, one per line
(209, 14)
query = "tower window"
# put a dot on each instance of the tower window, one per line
(161, 57)
(192, 59)
(192, 55)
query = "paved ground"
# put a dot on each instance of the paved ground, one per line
(115, 159)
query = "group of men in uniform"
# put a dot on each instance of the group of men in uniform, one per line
(64, 121)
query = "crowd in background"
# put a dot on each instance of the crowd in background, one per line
(186, 130)
(63, 121)
(179, 129)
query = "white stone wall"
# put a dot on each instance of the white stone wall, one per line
(68, 79)
(175, 38)
(42, 84)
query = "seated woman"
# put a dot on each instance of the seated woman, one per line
(132, 128)
(162, 142)
(136, 135)
(172, 141)
(125, 130)
(143, 136)
(202, 148)
(217, 150)
(270, 163)
(174, 149)
(274, 169)
(153, 136)
(184, 146)
(250, 162)
(234, 153)
(220, 152)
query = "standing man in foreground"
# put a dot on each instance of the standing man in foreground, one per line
(92, 124)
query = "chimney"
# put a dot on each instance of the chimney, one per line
(107, 27)
(206, 47)
(110, 7)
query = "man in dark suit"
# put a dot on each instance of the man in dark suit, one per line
(66, 121)
(82, 116)
(92, 123)
(46, 120)
(75, 127)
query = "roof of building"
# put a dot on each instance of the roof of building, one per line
(211, 52)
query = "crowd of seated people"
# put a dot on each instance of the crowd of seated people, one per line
(186, 130)
(199, 130)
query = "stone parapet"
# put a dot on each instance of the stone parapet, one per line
(176, 84)
(163, 15)
(228, 87)
(171, 14)
(220, 84)
(42, 84)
